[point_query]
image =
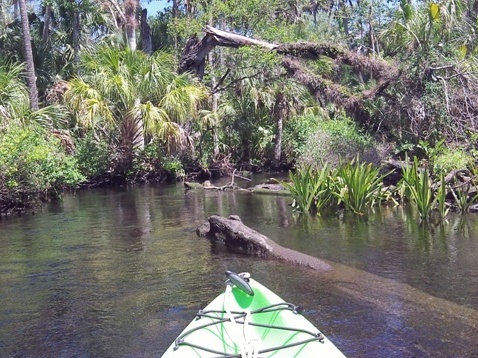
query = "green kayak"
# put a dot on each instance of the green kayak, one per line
(250, 321)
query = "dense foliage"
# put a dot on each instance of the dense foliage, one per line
(387, 78)
(33, 166)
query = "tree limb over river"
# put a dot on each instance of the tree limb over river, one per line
(295, 55)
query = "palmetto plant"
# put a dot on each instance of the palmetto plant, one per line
(426, 25)
(130, 93)
(15, 106)
(13, 94)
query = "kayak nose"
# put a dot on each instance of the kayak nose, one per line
(240, 281)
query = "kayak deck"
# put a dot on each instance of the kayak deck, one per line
(261, 324)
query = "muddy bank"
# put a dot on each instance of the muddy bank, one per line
(236, 236)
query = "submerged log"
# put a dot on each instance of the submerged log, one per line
(236, 236)
(270, 189)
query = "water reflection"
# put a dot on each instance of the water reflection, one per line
(119, 273)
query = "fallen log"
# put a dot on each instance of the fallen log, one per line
(236, 236)
(271, 189)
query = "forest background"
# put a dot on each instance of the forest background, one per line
(98, 92)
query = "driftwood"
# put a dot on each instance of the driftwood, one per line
(208, 186)
(236, 236)
(271, 189)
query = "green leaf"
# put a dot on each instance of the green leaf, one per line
(407, 10)
(434, 12)
(463, 50)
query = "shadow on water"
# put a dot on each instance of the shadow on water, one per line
(119, 273)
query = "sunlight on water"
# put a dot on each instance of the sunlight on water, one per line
(120, 273)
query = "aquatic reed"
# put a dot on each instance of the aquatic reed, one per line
(441, 193)
(358, 185)
(417, 186)
(463, 198)
(310, 188)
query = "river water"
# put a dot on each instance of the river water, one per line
(119, 273)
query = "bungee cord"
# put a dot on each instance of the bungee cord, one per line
(241, 318)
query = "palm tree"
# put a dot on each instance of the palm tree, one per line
(27, 46)
(133, 95)
(15, 109)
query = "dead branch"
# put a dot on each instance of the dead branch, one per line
(195, 51)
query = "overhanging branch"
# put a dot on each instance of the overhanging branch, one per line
(381, 71)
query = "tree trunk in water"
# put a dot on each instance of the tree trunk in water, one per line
(130, 7)
(27, 46)
(145, 32)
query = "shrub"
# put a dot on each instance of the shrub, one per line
(94, 157)
(450, 160)
(33, 164)
(173, 167)
(334, 139)
(297, 131)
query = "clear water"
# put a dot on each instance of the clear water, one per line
(119, 273)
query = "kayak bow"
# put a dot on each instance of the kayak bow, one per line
(249, 321)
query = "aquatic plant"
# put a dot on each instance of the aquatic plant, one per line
(358, 185)
(441, 193)
(310, 188)
(417, 186)
(463, 199)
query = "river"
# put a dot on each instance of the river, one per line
(119, 273)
